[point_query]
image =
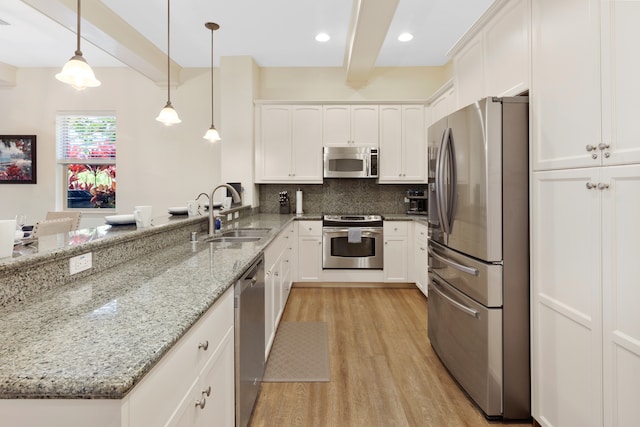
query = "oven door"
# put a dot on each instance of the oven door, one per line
(363, 253)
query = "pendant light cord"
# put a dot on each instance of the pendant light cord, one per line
(168, 52)
(212, 77)
(78, 51)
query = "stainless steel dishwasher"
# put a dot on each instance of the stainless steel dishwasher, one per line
(249, 340)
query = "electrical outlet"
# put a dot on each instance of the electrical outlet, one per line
(80, 263)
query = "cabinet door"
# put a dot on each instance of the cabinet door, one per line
(565, 89)
(309, 250)
(506, 48)
(391, 146)
(420, 257)
(414, 141)
(306, 144)
(336, 128)
(469, 73)
(566, 298)
(395, 251)
(364, 125)
(620, 83)
(621, 294)
(274, 146)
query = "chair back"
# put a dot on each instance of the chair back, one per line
(52, 226)
(75, 217)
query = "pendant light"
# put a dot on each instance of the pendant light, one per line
(168, 115)
(212, 134)
(77, 71)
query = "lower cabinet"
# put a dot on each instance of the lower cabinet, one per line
(309, 250)
(395, 251)
(210, 401)
(176, 391)
(420, 257)
(279, 256)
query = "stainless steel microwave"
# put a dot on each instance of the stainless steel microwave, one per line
(350, 162)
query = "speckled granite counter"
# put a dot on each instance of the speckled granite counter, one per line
(96, 337)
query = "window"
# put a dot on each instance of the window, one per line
(86, 147)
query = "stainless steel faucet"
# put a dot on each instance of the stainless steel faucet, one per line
(236, 199)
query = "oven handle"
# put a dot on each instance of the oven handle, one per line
(339, 230)
(469, 270)
(466, 310)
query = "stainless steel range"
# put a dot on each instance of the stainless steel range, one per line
(352, 241)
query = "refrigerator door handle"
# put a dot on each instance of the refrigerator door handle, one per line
(469, 270)
(466, 310)
(442, 217)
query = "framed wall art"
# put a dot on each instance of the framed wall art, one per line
(17, 159)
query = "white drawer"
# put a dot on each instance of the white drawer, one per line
(421, 232)
(395, 228)
(153, 400)
(309, 228)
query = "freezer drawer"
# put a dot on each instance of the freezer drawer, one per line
(468, 339)
(479, 280)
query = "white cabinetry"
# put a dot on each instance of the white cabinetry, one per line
(289, 143)
(309, 250)
(441, 104)
(202, 358)
(395, 251)
(492, 59)
(402, 144)
(278, 277)
(420, 257)
(584, 211)
(350, 125)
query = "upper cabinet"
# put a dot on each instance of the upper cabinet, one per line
(492, 59)
(288, 143)
(350, 125)
(402, 144)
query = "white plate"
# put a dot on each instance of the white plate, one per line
(120, 219)
(180, 210)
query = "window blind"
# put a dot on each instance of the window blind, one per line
(86, 137)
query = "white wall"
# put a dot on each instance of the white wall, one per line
(157, 165)
(166, 166)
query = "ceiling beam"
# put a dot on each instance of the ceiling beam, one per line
(103, 28)
(370, 21)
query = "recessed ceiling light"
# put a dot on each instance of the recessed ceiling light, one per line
(405, 37)
(322, 37)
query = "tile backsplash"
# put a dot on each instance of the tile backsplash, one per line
(340, 196)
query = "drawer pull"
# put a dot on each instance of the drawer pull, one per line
(207, 391)
(204, 345)
(201, 403)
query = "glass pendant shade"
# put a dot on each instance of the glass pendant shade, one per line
(168, 116)
(212, 135)
(77, 71)
(78, 74)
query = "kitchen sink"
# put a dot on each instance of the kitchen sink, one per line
(246, 232)
(232, 239)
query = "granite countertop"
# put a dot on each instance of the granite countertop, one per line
(98, 336)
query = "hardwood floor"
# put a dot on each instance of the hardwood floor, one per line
(383, 369)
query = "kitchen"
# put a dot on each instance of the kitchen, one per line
(145, 147)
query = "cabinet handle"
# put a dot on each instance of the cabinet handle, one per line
(603, 146)
(590, 147)
(590, 185)
(602, 186)
(207, 391)
(204, 345)
(201, 403)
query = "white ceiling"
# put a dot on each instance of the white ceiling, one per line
(276, 33)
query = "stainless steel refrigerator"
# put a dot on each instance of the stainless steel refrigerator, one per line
(478, 309)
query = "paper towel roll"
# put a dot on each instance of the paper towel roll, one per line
(299, 202)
